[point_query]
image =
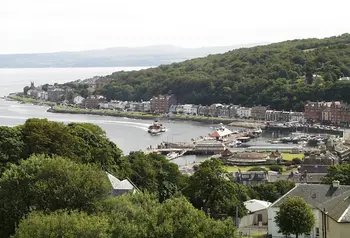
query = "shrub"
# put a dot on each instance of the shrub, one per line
(276, 168)
(296, 161)
(257, 168)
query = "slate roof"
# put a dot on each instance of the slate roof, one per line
(256, 205)
(314, 194)
(338, 208)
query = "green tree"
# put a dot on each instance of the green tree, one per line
(11, 146)
(59, 224)
(339, 172)
(295, 216)
(266, 192)
(283, 186)
(156, 174)
(48, 184)
(211, 189)
(175, 217)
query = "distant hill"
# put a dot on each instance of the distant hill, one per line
(283, 75)
(112, 57)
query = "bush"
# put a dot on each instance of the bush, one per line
(276, 168)
(257, 168)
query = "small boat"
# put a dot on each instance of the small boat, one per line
(154, 131)
(172, 155)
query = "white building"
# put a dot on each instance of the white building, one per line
(146, 106)
(315, 195)
(297, 116)
(180, 109)
(257, 213)
(78, 100)
(244, 112)
(187, 108)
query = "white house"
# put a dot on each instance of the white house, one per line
(180, 108)
(78, 100)
(313, 194)
(43, 95)
(257, 213)
(187, 108)
(244, 112)
(146, 106)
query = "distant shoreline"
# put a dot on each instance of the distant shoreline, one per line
(137, 115)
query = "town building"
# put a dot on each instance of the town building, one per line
(272, 115)
(221, 133)
(209, 147)
(233, 111)
(180, 109)
(244, 112)
(172, 109)
(187, 109)
(251, 177)
(56, 94)
(258, 112)
(146, 106)
(334, 217)
(297, 117)
(317, 196)
(203, 110)
(223, 111)
(257, 213)
(162, 103)
(213, 109)
(92, 102)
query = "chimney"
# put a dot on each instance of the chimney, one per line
(336, 184)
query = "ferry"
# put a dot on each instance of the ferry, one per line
(156, 128)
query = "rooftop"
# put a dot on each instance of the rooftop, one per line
(314, 194)
(338, 208)
(256, 205)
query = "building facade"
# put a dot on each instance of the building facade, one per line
(258, 112)
(162, 103)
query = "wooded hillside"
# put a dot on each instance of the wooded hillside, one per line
(280, 75)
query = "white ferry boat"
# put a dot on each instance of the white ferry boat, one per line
(156, 128)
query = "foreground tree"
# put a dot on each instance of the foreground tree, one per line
(48, 184)
(142, 215)
(63, 224)
(339, 172)
(156, 174)
(11, 146)
(295, 216)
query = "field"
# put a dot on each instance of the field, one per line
(290, 157)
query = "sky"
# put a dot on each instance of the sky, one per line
(34, 26)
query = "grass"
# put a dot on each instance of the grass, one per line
(290, 157)
(234, 169)
(260, 234)
(31, 100)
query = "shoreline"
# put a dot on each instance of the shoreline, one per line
(140, 115)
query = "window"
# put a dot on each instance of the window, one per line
(317, 232)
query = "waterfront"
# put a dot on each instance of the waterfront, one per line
(128, 134)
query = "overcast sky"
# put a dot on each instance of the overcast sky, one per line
(59, 25)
